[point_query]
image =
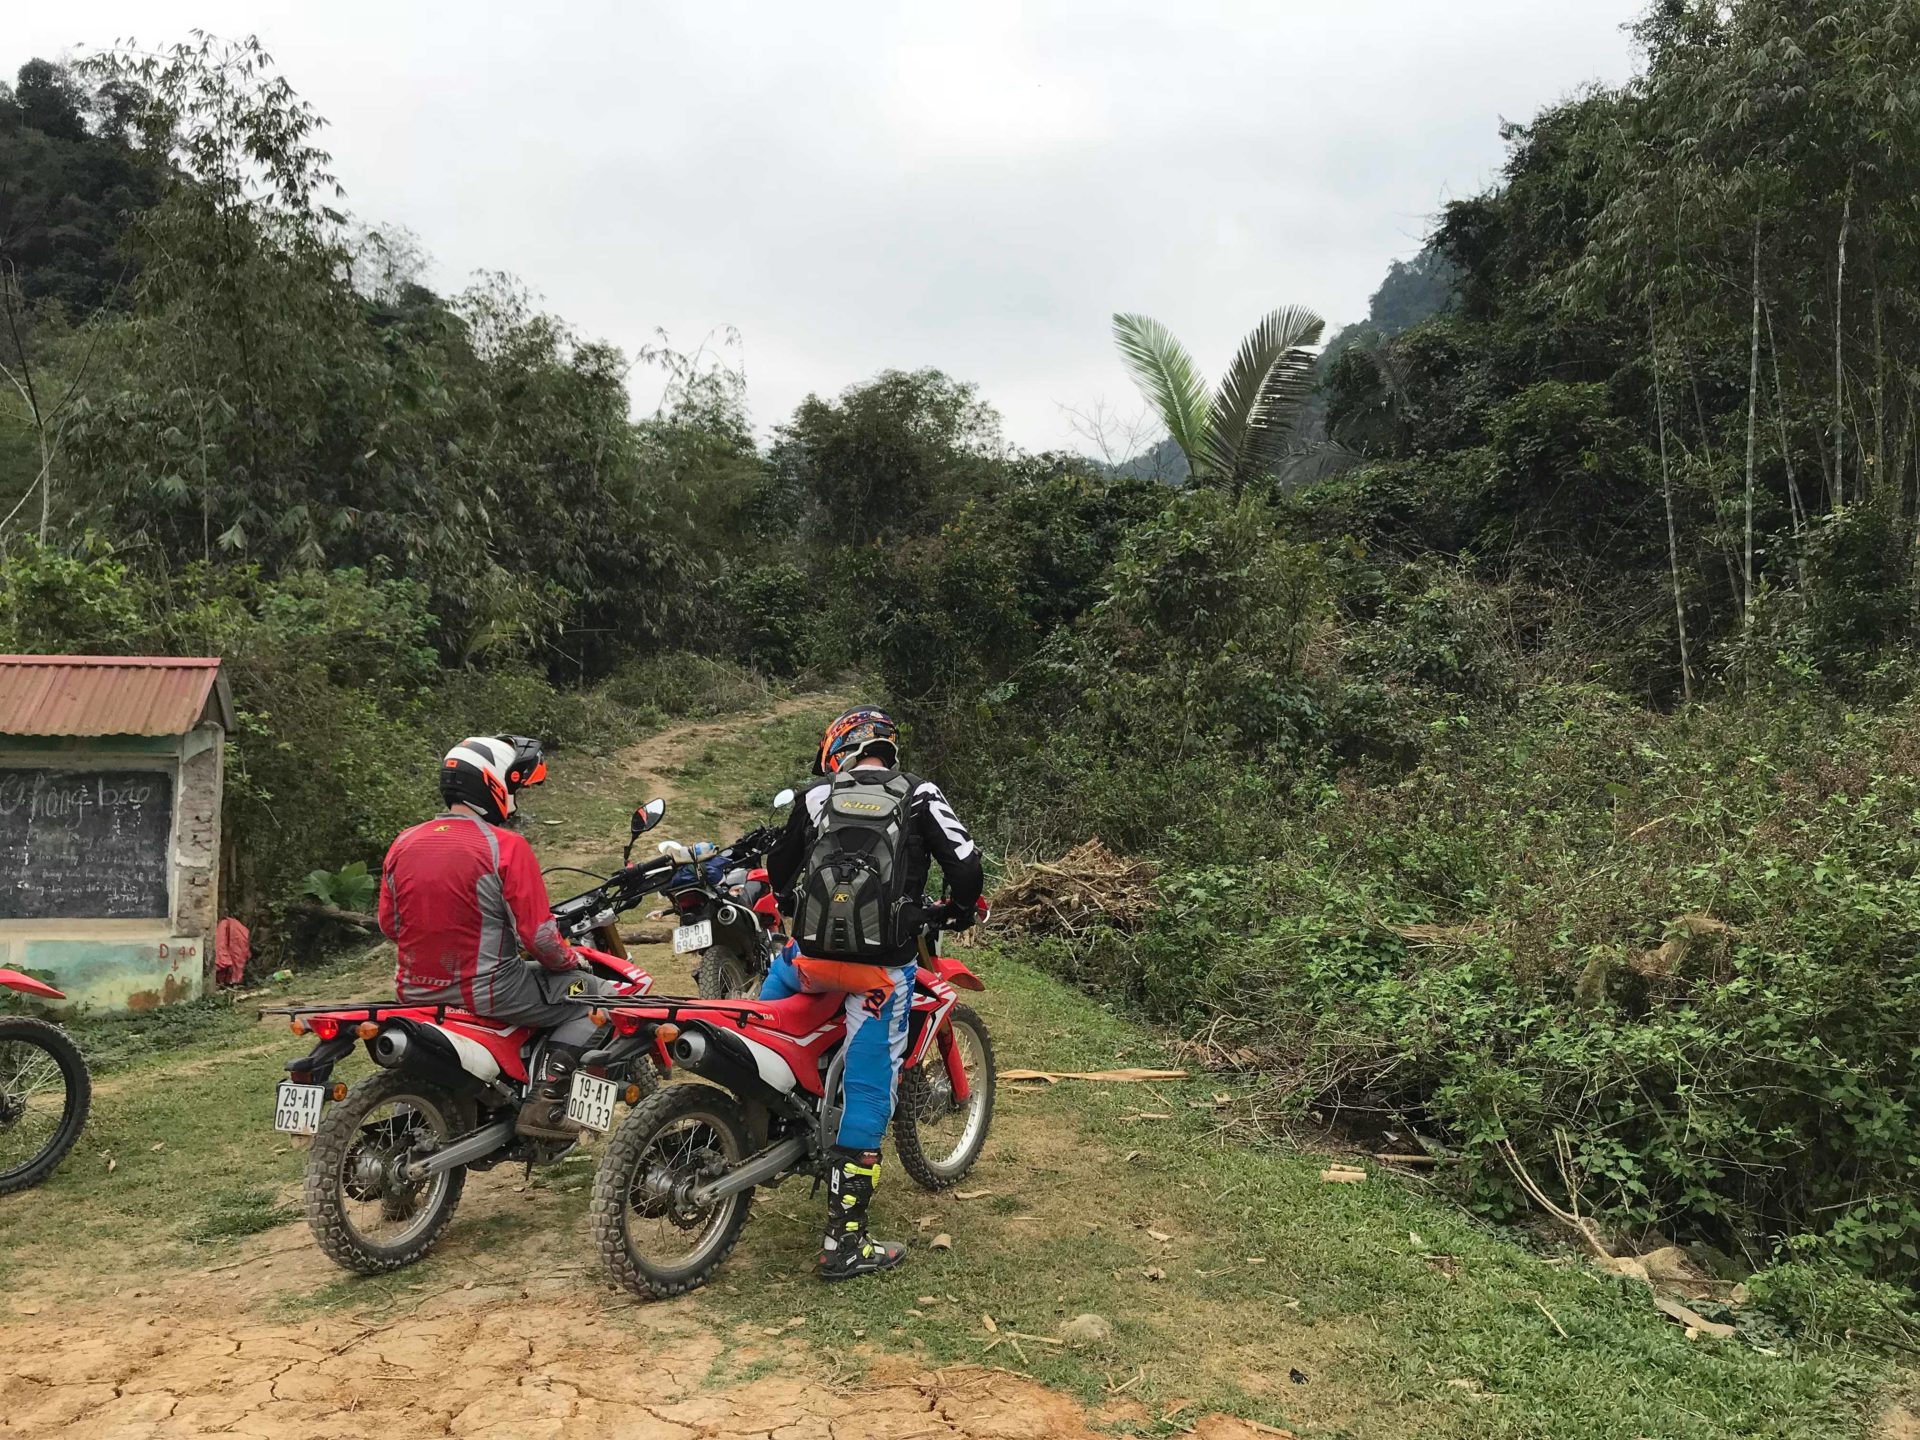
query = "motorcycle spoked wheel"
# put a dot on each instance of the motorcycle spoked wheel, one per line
(938, 1141)
(363, 1215)
(648, 1242)
(727, 975)
(35, 1136)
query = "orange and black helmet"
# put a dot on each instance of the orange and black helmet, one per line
(486, 771)
(858, 735)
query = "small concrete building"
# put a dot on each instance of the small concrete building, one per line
(110, 786)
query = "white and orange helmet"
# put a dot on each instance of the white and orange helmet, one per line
(487, 771)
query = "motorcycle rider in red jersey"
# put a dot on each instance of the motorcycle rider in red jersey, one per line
(462, 897)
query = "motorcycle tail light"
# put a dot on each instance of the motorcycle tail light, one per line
(325, 1028)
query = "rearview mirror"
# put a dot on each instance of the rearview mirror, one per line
(783, 799)
(648, 816)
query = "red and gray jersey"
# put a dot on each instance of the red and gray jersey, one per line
(461, 899)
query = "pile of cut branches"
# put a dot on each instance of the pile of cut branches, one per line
(1087, 887)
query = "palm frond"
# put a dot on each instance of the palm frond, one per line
(1289, 387)
(1249, 402)
(1296, 466)
(1167, 376)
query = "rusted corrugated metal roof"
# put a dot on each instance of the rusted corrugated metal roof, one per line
(110, 694)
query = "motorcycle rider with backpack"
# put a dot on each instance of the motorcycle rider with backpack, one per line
(462, 897)
(852, 863)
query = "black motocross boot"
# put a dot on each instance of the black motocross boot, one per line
(848, 1250)
(543, 1115)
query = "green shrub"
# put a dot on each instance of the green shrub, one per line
(351, 887)
(57, 604)
(679, 683)
(1499, 944)
(767, 615)
(1824, 1301)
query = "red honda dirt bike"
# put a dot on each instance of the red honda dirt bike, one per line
(45, 1090)
(391, 1153)
(674, 1186)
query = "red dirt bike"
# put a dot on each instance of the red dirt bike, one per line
(391, 1153)
(674, 1186)
(45, 1090)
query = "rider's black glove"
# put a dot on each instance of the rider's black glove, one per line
(949, 916)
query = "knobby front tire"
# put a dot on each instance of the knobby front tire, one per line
(33, 1054)
(938, 1143)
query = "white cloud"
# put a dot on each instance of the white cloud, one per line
(857, 185)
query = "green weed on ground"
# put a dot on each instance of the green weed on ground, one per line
(179, 1157)
(1232, 1277)
(1356, 1310)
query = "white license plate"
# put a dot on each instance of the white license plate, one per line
(297, 1109)
(697, 936)
(590, 1103)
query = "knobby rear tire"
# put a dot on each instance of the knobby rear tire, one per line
(619, 1169)
(916, 1092)
(79, 1097)
(326, 1215)
(725, 975)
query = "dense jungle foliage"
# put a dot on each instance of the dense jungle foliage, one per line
(1547, 775)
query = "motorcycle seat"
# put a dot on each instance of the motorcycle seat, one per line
(795, 1015)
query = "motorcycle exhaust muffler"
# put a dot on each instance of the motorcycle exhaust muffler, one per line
(389, 1048)
(726, 915)
(690, 1050)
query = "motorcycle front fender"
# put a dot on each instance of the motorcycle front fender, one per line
(27, 985)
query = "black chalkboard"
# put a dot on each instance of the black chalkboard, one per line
(84, 844)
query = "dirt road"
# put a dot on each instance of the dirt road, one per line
(507, 1332)
(162, 1285)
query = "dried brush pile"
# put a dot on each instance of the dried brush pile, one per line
(1085, 888)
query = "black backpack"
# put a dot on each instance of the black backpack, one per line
(851, 902)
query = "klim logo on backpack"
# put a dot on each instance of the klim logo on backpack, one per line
(852, 902)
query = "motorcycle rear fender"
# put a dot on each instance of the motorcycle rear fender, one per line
(27, 985)
(618, 969)
(316, 1067)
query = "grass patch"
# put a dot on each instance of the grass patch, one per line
(733, 783)
(1267, 1275)
(179, 1153)
(240, 1214)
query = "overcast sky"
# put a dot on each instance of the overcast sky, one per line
(974, 185)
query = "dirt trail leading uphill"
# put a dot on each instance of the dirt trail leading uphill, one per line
(705, 799)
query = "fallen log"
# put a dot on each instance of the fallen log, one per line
(334, 912)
